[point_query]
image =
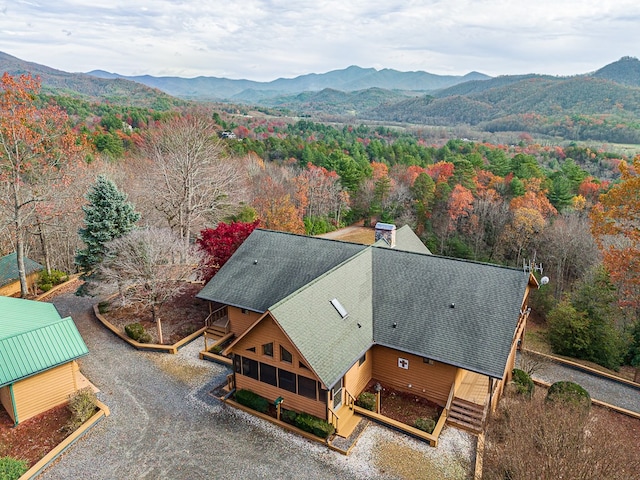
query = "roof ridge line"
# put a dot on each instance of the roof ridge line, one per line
(320, 277)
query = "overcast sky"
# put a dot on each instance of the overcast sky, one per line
(267, 39)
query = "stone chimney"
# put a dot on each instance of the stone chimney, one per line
(387, 232)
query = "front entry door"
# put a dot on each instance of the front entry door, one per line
(336, 393)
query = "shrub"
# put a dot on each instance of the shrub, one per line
(46, 281)
(144, 338)
(425, 424)
(82, 406)
(103, 307)
(523, 382)
(314, 425)
(12, 468)
(289, 416)
(252, 400)
(134, 331)
(569, 392)
(367, 400)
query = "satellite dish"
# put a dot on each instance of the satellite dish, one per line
(544, 280)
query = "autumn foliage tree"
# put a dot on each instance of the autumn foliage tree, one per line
(616, 227)
(36, 144)
(218, 244)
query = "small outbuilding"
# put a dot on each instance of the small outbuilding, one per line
(38, 353)
(9, 277)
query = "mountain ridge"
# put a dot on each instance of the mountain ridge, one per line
(350, 79)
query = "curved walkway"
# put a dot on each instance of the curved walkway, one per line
(164, 424)
(599, 387)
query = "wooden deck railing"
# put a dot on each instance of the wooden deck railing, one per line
(452, 392)
(334, 418)
(351, 400)
(215, 315)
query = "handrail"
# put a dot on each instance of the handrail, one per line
(335, 416)
(451, 394)
(207, 320)
(487, 408)
(351, 400)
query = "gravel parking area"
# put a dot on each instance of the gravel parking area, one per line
(165, 424)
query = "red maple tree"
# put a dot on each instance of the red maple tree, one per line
(220, 243)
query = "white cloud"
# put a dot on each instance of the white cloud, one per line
(266, 39)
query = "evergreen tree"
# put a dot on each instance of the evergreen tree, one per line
(108, 215)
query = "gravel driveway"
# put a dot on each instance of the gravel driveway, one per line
(599, 387)
(164, 424)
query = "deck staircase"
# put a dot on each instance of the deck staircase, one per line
(217, 329)
(348, 421)
(466, 415)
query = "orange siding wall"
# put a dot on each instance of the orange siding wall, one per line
(239, 322)
(46, 390)
(430, 381)
(265, 332)
(5, 399)
(359, 375)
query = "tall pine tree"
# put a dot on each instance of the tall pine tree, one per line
(108, 215)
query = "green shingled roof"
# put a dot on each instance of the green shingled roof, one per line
(34, 338)
(329, 342)
(9, 268)
(269, 265)
(457, 312)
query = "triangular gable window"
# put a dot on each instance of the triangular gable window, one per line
(251, 349)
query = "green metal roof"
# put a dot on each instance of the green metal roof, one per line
(34, 338)
(9, 268)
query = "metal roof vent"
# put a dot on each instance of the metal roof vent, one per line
(338, 306)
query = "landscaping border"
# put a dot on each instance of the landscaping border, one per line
(44, 462)
(43, 296)
(154, 347)
(291, 428)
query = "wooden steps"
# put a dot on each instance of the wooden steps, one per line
(348, 421)
(218, 329)
(466, 415)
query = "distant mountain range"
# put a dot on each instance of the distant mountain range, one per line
(118, 91)
(347, 80)
(602, 105)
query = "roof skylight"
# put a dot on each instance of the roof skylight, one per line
(338, 306)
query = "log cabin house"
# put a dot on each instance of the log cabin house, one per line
(38, 353)
(314, 320)
(9, 280)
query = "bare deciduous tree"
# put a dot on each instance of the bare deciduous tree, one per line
(550, 440)
(148, 267)
(194, 182)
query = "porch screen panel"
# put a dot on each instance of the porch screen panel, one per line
(287, 380)
(268, 374)
(250, 368)
(307, 387)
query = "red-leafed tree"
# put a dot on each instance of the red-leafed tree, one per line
(220, 243)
